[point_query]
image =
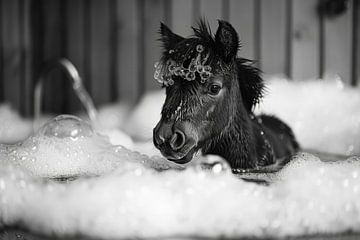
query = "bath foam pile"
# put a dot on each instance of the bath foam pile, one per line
(68, 146)
(324, 114)
(119, 194)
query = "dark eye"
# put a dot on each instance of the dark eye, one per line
(214, 89)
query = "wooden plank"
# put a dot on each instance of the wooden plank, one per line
(306, 40)
(242, 17)
(356, 45)
(128, 50)
(52, 49)
(273, 36)
(154, 12)
(211, 10)
(338, 45)
(100, 51)
(182, 17)
(11, 52)
(26, 58)
(75, 50)
(1, 54)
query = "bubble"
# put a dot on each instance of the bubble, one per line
(171, 81)
(199, 68)
(207, 68)
(214, 163)
(192, 67)
(66, 126)
(205, 75)
(199, 48)
(190, 76)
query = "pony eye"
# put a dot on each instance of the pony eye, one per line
(214, 89)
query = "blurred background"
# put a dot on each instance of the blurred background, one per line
(113, 43)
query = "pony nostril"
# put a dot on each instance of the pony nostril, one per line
(158, 140)
(177, 141)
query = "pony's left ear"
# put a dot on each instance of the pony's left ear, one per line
(227, 40)
(169, 38)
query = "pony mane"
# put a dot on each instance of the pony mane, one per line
(251, 84)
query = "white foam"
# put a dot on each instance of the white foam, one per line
(324, 114)
(12, 127)
(307, 197)
(118, 194)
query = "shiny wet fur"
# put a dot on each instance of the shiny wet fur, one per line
(212, 110)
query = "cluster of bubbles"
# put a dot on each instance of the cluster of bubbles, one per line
(164, 72)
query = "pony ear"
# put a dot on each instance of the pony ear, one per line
(227, 40)
(169, 38)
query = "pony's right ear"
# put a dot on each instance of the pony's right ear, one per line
(169, 38)
(227, 40)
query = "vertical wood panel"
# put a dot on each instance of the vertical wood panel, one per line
(128, 36)
(100, 51)
(182, 17)
(1, 54)
(306, 40)
(52, 24)
(356, 45)
(153, 14)
(11, 52)
(273, 36)
(75, 42)
(212, 11)
(26, 58)
(242, 17)
(338, 45)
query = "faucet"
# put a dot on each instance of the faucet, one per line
(73, 75)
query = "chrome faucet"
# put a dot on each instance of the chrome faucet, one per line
(73, 75)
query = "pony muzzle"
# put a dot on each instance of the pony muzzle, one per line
(174, 142)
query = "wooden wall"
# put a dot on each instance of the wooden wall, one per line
(113, 43)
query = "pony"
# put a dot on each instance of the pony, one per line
(210, 98)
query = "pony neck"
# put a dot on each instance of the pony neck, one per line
(236, 142)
